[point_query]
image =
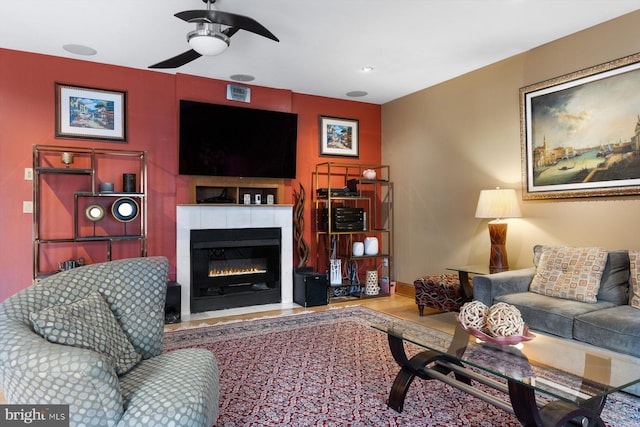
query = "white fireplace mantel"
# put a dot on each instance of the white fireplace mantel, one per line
(204, 217)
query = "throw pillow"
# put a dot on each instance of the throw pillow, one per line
(569, 273)
(537, 251)
(88, 323)
(614, 286)
(634, 298)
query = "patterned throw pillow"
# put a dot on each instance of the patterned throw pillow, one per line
(569, 273)
(88, 323)
(634, 279)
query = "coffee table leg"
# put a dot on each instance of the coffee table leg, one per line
(411, 368)
(405, 376)
(554, 414)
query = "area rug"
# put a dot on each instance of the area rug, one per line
(331, 368)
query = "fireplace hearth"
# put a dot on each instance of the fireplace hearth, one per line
(235, 267)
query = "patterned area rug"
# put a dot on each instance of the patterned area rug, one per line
(332, 369)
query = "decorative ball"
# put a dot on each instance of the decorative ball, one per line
(472, 315)
(504, 320)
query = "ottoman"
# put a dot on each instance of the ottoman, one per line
(442, 292)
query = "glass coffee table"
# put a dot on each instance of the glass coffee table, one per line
(548, 381)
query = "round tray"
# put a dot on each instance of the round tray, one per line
(510, 340)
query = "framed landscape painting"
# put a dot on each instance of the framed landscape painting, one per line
(580, 133)
(338, 137)
(89, 113)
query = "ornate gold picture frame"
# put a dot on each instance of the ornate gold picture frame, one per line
(580, 133)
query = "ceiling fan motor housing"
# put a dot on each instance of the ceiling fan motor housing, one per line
(207, 39)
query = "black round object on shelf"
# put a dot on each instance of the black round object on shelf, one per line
(125, 209)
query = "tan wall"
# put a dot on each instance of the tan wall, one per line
(447, 142)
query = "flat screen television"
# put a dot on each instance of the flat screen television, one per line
(224, 140)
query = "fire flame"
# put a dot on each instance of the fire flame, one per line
(233, 271)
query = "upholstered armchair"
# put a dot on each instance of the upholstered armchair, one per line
(91, 337)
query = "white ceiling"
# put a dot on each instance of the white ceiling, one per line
(411, 44)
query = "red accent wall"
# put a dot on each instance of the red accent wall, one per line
(27, 117)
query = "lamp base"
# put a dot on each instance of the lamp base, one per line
(498, 260)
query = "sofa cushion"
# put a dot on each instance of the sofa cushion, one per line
(569, 273)
(616, 329)
(549, 314)
(614, 285)
(178, 388)
(87, 323)
(634, 291)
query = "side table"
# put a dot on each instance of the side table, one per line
(463, 275)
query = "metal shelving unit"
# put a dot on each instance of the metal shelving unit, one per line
(343, 185)
(49, 168)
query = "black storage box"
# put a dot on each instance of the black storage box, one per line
(172, 309)
(309, 287)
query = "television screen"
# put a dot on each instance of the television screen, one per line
(224, 140)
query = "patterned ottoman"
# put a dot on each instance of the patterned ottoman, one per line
(442, 292)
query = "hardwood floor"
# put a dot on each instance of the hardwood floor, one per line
(397, 305)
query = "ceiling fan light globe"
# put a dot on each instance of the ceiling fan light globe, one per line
(207, 42)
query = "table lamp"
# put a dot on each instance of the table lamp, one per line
(499, 203)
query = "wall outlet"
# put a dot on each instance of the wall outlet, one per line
(385, 262)
(28, 174)
(27, 206)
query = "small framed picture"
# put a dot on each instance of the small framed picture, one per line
(89, 113)
(338, 137)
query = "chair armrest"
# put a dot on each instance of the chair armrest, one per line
(33, 370)
(487, 287)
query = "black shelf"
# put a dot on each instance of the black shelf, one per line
(106, 194)
(344, 284)
(380, 255)
(324, 198)
(63, 240)
(113, 238)
(373, 181)
(64, 171)
(91, 239)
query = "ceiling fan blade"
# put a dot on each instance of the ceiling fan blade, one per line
(178, 61)
(225, 18)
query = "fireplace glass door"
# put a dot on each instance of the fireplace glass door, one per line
(234, 268)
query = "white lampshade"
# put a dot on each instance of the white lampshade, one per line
(207, 41)
(498, 203)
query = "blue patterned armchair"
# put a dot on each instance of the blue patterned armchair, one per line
(106, 380)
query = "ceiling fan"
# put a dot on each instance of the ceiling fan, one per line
(209, 38)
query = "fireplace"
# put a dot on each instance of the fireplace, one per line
(234, 267)
(223, 217)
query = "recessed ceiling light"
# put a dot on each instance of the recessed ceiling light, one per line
(367, 69)
(79, 49)
(242, 77)
(357, 93)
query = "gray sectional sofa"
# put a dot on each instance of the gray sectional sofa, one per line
(610, 323)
